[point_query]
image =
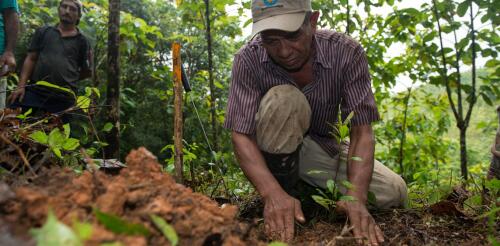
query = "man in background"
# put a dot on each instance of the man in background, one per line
(59, 55)
(9, 29)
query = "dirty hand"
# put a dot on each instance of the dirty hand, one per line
(363, 224)
(17, 94)
(280, 212)
(8, 59)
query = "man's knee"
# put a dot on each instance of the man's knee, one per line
(282, 119)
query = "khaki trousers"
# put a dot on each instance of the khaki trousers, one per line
(282, 120)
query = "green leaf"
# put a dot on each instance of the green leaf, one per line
(167, 230)
(347, 198)
(277, 244)
(356, 158)
(56, 138)
(57, 152)
(83, 103)
(321, 201)
(462, 8)
(120, 226)
(313, 172)
(330, 185)
(107, 127)
(39, 137)
(349, 117)
(71, 144)
(83, 230)
(47, 84)
(54, 232)
(347, 184)
(343, 132)
(66, 130)
(25, 114)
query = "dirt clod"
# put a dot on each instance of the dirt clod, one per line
(139, 190)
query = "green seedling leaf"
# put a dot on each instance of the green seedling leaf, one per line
(107, 127)
(120, 226)
(40, 137)
(313, 172)
(277, 244)
(321, 201)
(347, 198)
(167, 230)
(57, 152)
(347, 185)
(330, 186)
(71, 144)
(343, 132)
(348, 119)
(83, 230)
(54, 232)
(356, 158)
(24, 115)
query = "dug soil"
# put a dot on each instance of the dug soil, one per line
(143, 189)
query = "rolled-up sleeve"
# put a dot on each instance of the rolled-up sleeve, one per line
(244, 98)
(357, 95)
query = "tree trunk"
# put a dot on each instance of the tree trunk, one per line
(113, 89)
(211, 78)
(463, 153)
(494, 171)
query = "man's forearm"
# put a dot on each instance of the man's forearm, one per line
(360, 170)
(11, 29)
(28, 66)
(253, 164)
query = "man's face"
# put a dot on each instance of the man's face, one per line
(290, 50)
(68, 12)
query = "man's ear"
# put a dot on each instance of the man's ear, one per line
(314, 20)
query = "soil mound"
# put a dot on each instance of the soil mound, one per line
(138, 191)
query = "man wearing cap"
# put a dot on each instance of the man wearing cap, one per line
(59, 55)
(9, 28)
(288, 85)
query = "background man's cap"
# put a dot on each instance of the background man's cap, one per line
(285, 15)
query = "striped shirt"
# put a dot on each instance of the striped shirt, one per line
(341, 80)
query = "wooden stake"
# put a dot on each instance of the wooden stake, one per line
(176, 50)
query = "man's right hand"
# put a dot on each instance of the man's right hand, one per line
(280, 212)
(17, 94)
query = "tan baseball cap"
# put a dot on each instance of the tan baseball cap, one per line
(285, 15)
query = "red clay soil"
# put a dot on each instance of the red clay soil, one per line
(138, 191)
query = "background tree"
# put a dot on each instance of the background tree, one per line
(112, 150)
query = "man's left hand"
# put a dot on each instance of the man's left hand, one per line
(8, 59)
(364, 226)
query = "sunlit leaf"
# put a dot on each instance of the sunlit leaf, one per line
(39, 137)
(120, 226)
(167, 230)
(54, 232)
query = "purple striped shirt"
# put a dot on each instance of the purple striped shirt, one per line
(341, 77)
